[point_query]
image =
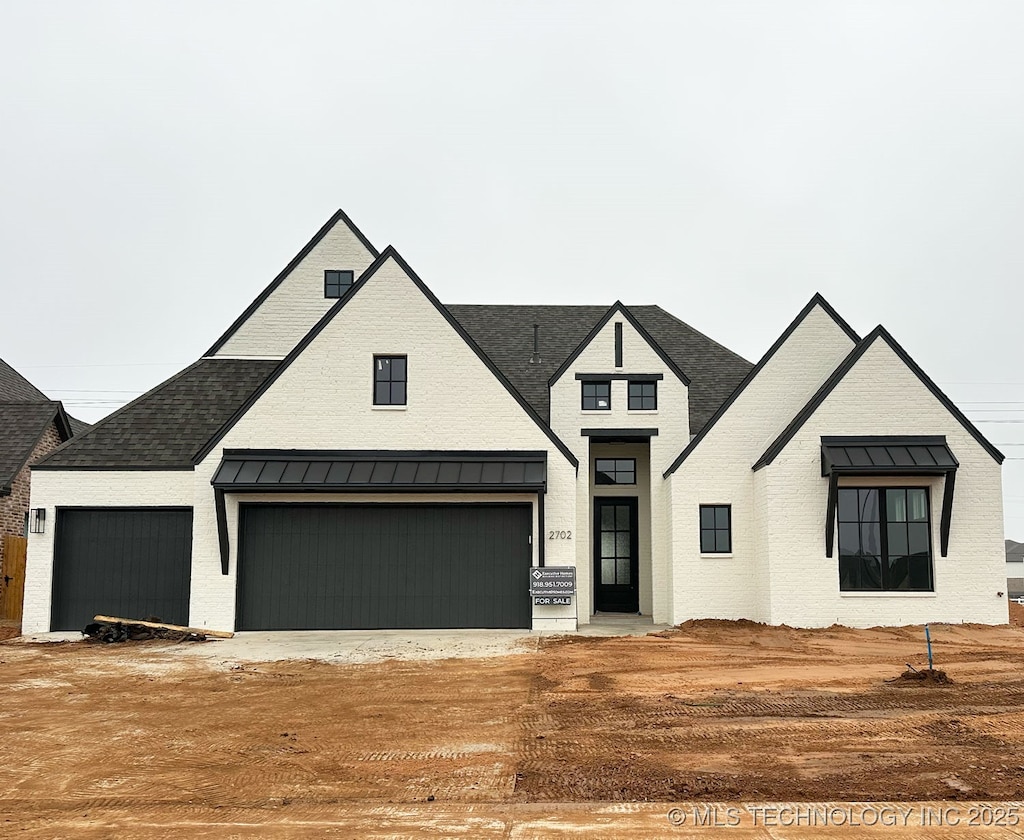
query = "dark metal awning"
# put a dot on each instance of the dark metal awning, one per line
(890, 456)
(276, 471)
(911, 455)
(362, 471)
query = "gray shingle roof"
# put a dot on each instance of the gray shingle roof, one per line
(505, 333)
(1014, 551)
(21, 426)
(165, 427)
(16, 388)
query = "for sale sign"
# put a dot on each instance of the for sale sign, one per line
(553, 585)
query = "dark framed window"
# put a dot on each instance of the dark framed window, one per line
(390, 376)
(884, 539)
(643, 396)
(615, 471)
(715, 529)
(597, 396)
(336, 283)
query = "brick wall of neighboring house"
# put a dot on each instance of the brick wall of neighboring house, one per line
(14, 507)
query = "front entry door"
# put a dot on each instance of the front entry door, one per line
(615, 555)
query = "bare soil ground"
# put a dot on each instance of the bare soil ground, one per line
(126, 740)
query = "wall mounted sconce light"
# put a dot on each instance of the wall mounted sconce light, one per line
(37, 521)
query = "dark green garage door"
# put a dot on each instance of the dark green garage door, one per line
(128, 562)
(346, 567)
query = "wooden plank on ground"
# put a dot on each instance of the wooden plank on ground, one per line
(177, 628)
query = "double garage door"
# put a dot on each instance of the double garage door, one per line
(306, 567)
(318, 567)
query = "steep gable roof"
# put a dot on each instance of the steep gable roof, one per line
(339, 216)
(878, 334)
(165, 427)
(389, 253)
(816, 301)
(618, 306)
(505, 334)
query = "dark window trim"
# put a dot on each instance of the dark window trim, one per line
(629, 395)
(336, 281)
(618, 344)
(701, 529)
(619, 433)
(391, 358)
(636, 377)
(883, 530)
(584, 396)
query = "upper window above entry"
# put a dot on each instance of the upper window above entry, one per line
(336, 283)
(643, 396)
(597, 396)
(389, 380)
(615, 471)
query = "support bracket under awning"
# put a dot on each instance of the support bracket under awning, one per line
(878, 455)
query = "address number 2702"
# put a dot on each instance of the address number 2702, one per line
(559, 535)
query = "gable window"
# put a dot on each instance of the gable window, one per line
(715, 529)
(615, 471)
(884, 539)
(336, 283)
(389, 380)
(643, 396)
(597, 396)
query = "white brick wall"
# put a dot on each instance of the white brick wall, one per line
(881, 396)
(719, 471)
(672, 421)
(298, 302)
(87, 488)
(324, 401)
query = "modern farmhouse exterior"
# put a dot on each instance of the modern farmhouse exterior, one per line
(352, 453)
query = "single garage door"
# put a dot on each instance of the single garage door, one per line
(347, 567)
(130, 562)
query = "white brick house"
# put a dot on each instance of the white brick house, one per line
(353, 453)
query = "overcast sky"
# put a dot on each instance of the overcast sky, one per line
(163, 161)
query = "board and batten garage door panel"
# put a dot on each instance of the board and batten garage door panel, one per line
(319, 567)
(127, 562)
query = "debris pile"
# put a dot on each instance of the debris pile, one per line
(929, 676)
(108, 629)
(119, 631)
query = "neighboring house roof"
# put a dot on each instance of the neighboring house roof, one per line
(878, 334)
(16, 388)
(171, 426)
(505, 334)
(166, 427)
(21, 426)
(1014, 551)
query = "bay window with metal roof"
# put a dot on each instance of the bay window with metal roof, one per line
(884, 526)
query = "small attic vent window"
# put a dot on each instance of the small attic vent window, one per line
(336, 283)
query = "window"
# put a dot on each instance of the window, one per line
(615, 471)
(643, 396)
(884, 539)
(389, 380)
(715, 529)
(597, 396)
(336, 283)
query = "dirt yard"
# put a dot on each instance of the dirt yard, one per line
(133, 740)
